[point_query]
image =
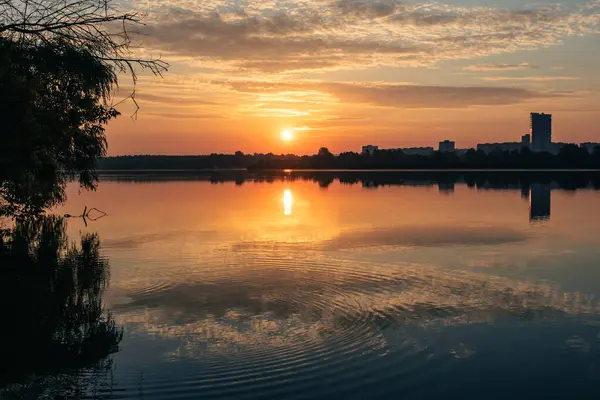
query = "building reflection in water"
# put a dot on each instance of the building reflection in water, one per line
(539, 202)
(288, 201)
(525, 192)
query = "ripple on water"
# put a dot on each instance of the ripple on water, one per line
(283, 323)
(320, 332)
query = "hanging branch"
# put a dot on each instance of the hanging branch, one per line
(94, 26)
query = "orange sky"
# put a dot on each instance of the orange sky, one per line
(344, 73)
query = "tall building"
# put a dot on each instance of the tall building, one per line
(447, 146)
(541, 131)
(526, 140)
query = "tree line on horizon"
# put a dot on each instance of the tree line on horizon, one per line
(571, 156)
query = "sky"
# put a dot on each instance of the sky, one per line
(346, 73)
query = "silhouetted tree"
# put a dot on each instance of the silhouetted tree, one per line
(324, 152)
(50, 301)
(58, 67)
(573, 155)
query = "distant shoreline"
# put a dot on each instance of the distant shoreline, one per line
(570, 157)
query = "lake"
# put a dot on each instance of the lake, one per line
(342, 285)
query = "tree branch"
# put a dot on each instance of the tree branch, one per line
(83, 24)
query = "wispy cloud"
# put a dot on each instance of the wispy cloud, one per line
(529, 78)
(369, 8)
(400, 96)
(179, 101)
(284, 36)
(191, 115)
(499, 67)
(258, 58)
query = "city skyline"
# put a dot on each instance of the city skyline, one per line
(335, 72)
(539, 139)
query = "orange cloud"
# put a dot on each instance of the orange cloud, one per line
(317, 35)
(403, 96)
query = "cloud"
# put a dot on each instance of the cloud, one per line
(337, 122)
(499, 67)
(367, 8)
(152, 98)
(420, 19)
(574, 110)
(318, 34)
(275, 66)
(400, 96)
(187, 116)
(249, 42)
(529, 78)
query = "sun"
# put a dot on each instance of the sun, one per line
(287, 135)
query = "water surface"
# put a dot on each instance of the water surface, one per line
(346, 285)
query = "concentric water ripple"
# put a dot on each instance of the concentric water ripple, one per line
(276, 322)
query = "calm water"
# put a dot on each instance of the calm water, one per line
(376, 286)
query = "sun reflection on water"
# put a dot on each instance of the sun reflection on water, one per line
(288, 201)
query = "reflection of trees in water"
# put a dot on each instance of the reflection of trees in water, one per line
(50, 302)
(498, 180)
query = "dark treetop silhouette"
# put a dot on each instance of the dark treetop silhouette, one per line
(58, 67)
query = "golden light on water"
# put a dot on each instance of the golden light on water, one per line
(288, 201)
(287, 135)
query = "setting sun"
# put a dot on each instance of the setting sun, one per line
(287, 135)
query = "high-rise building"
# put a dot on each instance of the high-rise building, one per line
(447, 146)
(541, 131)
(526, 140)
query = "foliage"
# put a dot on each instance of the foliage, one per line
(59, 63)
(95, 27)
(53, 121)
